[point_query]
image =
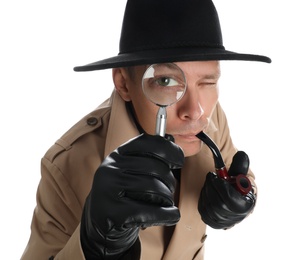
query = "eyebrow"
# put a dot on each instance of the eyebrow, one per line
(214, 76)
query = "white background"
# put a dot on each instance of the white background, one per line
(41, 97)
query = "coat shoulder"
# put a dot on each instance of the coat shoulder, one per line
(89, 123)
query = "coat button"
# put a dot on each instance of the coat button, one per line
(92, 121)
(203, 238)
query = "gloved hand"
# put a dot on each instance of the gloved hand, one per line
(133, 188)
(220, 205)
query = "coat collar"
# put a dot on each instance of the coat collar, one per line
(121, 125)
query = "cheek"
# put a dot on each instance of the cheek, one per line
(209, 100)
(145, 112)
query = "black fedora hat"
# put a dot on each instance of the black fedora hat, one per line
(157, 31)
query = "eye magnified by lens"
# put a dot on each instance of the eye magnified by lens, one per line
(163, 84)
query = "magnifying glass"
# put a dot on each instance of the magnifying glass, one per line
(163, 84)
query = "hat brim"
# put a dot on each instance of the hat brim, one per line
(169, 55)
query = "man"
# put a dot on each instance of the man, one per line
(113, 189)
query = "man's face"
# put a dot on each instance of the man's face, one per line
(188, 116)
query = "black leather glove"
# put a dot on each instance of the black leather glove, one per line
(220, 205)
(132, 188)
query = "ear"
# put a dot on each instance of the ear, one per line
(120, 78)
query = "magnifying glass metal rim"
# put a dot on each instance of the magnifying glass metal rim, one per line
(150, 98)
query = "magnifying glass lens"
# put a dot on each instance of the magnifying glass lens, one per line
(164, 84)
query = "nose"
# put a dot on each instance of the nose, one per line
(190, 107)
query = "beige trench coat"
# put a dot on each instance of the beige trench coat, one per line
(67, 171)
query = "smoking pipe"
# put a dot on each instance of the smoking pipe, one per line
(240, 181)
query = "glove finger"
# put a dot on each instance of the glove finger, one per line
(139, 178)
(147, 215)
(141, 166)
(212, 214)
(226, 195)
(240, 164)
(154, 146)
(150, 190)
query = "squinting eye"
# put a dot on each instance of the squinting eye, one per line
(166, 82)
(209, 84)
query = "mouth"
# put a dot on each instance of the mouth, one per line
(188, 133)
(187, 136)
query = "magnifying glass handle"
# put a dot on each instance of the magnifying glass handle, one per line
(161, 121)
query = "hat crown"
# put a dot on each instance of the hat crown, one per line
(167, 24)
(158, 31)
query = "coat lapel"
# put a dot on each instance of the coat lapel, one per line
(121, 126)
(188, 233)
